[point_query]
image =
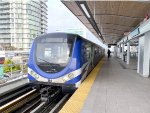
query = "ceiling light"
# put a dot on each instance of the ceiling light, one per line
(85, 10)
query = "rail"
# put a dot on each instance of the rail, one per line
(18, 102)
(27, 98)
(14, 93)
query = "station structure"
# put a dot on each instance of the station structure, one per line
(121, 24)
(121, 83)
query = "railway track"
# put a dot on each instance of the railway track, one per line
(53, 106)
(26, 99)
(18, 102)
(12, 94)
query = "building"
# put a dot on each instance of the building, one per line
(21, 21)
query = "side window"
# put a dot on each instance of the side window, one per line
(96, 51)
(85, 51)
(88, 52)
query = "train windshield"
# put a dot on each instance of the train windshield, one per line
(53, 53)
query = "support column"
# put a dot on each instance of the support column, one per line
(128, 52)
(144, 55)
(118, 52)
(122, 51)
(115, 51)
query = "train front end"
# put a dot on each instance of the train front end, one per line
(53, 61)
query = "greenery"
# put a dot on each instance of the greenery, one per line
(25, 67)
(7, 67)
(9, 48)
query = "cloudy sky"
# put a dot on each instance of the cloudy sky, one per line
(60, 18)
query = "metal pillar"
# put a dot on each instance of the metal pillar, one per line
(128, 52)
(119, 51)
(122, 54)
(115, 51)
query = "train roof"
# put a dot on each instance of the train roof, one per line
(64, 33)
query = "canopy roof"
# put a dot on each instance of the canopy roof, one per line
(109, 20)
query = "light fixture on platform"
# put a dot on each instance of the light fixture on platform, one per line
(85, 10)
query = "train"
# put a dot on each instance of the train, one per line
(62, 59)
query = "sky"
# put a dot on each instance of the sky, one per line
(61, 18)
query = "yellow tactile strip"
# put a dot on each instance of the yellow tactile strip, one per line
(76, 101)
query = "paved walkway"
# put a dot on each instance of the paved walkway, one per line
(118, 90)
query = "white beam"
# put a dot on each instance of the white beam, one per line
(144, 55)
(128, 52)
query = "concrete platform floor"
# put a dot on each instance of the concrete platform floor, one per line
(12, 84)
(118, 90)
(132, 65)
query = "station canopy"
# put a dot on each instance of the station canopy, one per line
(109, 20)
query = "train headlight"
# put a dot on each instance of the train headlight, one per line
(68, 77)
(65, 79)
(71, 75)
(34, 74)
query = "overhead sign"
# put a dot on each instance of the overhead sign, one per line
(145, 27)
(133, 33)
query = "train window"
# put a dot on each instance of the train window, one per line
(96, 51)
(53, 53)
(48, 52)
(85, 52)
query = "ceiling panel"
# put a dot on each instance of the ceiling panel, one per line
(113, 18)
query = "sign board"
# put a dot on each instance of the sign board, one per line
(133, 33)
(144, 27)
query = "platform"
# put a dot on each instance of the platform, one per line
(13, 84)
(116, 90)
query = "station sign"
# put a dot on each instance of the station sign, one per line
(145, 27)
(133, 33)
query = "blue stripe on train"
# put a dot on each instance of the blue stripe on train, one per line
(31, 78)
(74, 80)
(78, 78)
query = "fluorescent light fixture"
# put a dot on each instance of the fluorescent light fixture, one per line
(85, 10)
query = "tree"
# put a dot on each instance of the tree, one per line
(7, 66)
(10, 47)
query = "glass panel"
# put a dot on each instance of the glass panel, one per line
(53, 53)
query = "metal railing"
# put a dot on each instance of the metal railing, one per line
(13, 74)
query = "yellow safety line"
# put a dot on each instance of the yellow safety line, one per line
(76, 101)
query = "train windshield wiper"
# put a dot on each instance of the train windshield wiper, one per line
(45, 61)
